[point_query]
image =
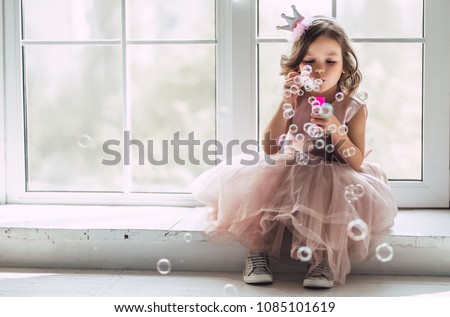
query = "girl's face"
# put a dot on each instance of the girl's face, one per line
(325, 57)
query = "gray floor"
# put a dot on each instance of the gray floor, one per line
(97, 283)
(426, 228)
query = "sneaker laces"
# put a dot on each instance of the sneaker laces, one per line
(258, 261)
(319, 271)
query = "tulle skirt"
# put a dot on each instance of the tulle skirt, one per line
(327, 208)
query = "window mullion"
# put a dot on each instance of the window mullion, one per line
(15, 176)
(244, 110)
(126, 104)
(236, 74)
(223, 71)
(2, 117)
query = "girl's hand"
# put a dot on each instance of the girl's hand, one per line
(289, 82)
(324, 123)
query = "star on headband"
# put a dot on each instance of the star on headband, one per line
(297, 24)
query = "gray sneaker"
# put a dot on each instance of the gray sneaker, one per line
(256, 269)
(319, 276)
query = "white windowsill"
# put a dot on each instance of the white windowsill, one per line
(410, 222)
(136, 237)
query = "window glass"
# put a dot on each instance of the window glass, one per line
(73, 105)
(381, 18)
(172, 96)
(71, 19)
(392, 79)
(174, 19)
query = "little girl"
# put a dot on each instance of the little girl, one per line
(312, 187)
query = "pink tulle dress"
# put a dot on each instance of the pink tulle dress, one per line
(257, 202)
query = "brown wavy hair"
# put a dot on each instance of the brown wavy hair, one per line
(322, 26)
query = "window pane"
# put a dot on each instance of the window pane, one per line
(392, 77)
(381, 18)
(71, 19)
(73, 96)
(270, 11)
(175, 19)
(171, 91)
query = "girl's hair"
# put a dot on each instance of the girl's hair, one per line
(321, 26)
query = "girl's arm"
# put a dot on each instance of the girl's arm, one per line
(278, 124)
(276, 127)
(355, 138)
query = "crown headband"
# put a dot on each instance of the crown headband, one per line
(297, 24)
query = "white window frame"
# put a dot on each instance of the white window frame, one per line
(15, 163)
(2, 115)
(433, 190)
(236, 102)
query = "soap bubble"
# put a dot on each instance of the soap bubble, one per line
(281, 139)
(304, 76)
(229, 290)
(187, 237)
(84, 141)
(342, 129)
(350, 194)
(309, 86)
(293, 128)
(316, 88)
(287, 93)
(354, 192)
(301, 158)
(316, 110)
(320, 144)
(384, 252)
(362, 95)
(287, 106)
(307, 69)
(307, 125)
(329, 148)
(339, 96)
(155, 24)
(301, 92)
(304, 253)
(349, 152)
(298, 80)
(327, 110)
(332, 128)
(299, 137)
(358, 190)
(288, 114)
(357, 230)
(294, 89)
(316, 103)
(315, 131)
(318, 81)
(163, 266)
(311, 100)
